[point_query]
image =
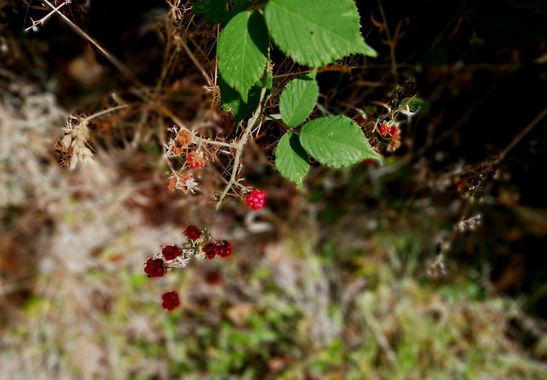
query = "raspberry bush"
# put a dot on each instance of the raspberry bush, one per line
(255, 93)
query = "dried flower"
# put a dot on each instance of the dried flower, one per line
(73, 146)
(183, 138)
(184, 182)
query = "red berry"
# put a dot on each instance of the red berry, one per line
(192, 232)
(224, 248)
(170, 300)
(195, 160)
(395, 132)
(256, 199)
(154, 267)
(170, 252)
(210, 250)
(384, 129)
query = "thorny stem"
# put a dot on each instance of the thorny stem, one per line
(253, 122)
(195, 139)
(42, 21)
(104, 112)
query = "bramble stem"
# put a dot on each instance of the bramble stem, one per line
(42, 21)
(253, 122)
(104, 112)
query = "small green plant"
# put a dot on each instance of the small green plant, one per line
(312, 33)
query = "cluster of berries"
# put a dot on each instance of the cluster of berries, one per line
(199, 244)
(185, 178)
(387, 129)
(391, 130)
(195, 160)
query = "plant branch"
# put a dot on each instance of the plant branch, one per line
(253, 122)
(42, 21)
(195, 139)
(104, 112)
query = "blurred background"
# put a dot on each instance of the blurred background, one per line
(431, 266)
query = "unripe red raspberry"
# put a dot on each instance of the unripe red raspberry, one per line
(384, 129)
(395, 132)
(154, 267)
(192, 232)
(224, 248)
(256, 199)
(170, 252)
(210, 250)
(170, 300)
(195, 160)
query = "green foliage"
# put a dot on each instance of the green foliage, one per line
(316, 32)
(298, 100)
(242, 51)
(290, 158)
(216, 11)
(312, 33)
(411, 104)
(232, 100)
(336, 141)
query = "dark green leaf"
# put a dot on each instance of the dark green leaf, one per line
(231, 100)
(336, 141)
(290, 159)
(298, 100)
(243, 51)
(316, 32)
(218, 11)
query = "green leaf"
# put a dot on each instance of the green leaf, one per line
(336, 141)
(411, 105)
(316, 32)
(290, 159)
(298, 100)
(217, 12)
(242, 51)
(231, 100)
